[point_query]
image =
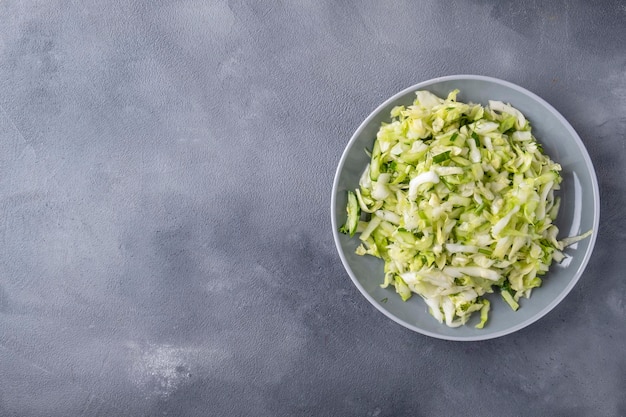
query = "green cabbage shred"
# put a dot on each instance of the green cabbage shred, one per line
(458, 200)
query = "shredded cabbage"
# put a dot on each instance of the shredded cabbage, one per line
(459, 199)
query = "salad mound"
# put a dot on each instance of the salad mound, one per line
(458, 200)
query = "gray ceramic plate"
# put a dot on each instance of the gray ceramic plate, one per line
(580, 210)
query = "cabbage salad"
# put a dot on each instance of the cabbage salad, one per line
(458, 199)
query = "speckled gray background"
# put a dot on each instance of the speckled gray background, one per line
(165, 176)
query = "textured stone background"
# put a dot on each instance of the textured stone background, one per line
(165, 176)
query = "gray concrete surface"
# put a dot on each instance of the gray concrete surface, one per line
(165, 176)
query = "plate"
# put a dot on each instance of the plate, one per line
(579, 211)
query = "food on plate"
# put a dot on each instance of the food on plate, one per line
(458, 199)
